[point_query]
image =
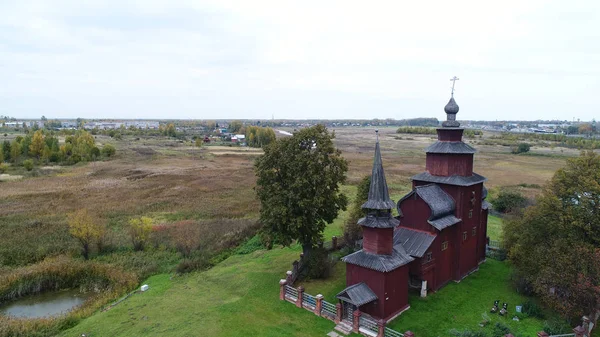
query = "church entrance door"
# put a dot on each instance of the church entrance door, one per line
(347, 312)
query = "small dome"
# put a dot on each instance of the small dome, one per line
(451, 107)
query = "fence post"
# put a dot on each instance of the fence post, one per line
(334, 242)
(542, 334)
(338, 313)
(282, 284)
(409, 334)
(299, 299)
(356, 320)
(288, 277)
(579, 331)
(381, 328)
(319, 304)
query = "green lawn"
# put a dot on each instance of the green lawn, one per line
(238, 297)
(461, 305)
(494, 228)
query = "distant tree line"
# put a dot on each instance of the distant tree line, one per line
(257, 136)
(43, 147)
(419, 122)
(421, 130)
(559, 139)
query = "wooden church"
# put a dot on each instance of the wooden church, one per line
(438, 237)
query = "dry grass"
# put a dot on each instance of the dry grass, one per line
(147, 177)
(405, 157)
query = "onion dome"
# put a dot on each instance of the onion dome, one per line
(451, 110)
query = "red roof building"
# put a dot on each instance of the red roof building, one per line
(438, 237)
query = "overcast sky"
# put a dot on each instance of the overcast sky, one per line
(522, 59)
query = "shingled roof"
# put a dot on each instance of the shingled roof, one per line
(444, 222)
(441, 204)
(451, 180)
(379, 197)
(380, 262)
(450, 147)
(357, 294)
(414, 242)
(374, 221)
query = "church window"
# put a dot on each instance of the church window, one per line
(474, 231)
(464, 236)
(444, 245)
(429, 257)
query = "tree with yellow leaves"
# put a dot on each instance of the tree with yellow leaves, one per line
(36, 148)
(139, 230)
(83, 227)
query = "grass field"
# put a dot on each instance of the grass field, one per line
(494, 228)
(238, 297)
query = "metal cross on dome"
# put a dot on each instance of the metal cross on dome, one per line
(453, 79)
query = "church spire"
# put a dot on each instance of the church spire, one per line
(379, 197)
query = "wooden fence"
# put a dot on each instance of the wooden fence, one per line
(361, 322)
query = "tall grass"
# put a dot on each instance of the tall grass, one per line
(57, 273)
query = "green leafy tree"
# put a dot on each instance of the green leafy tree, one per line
(235, 126)
(555, 244)
(298, 186)
(507, 201)
(352, 230)
(28, 164)
(15, 150)
(108, 150)
(6, 150)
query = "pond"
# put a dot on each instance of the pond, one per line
(45, 304)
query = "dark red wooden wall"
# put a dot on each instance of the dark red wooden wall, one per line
(378, 240)
(449, 165)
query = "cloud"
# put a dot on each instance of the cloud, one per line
(309, 59)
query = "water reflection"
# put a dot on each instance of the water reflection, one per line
(44, 305)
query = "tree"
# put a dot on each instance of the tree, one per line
(298, 187)
(83, 227)
(521, 148)
(6, 150)
(352, 230)
(235, 126)
(108, 150)
(555, 244)
(15, 150)
(28, 164)
(139, 231)
(36, 148)
(507, 201)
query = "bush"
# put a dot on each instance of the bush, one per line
(523, 286)
(108, 150)
(28, 164)
(500, 330)
(3, 168)
(255, 243)
(532, 309)
(557, 326)
(507, 201)
(521, 148)
(318, 264)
